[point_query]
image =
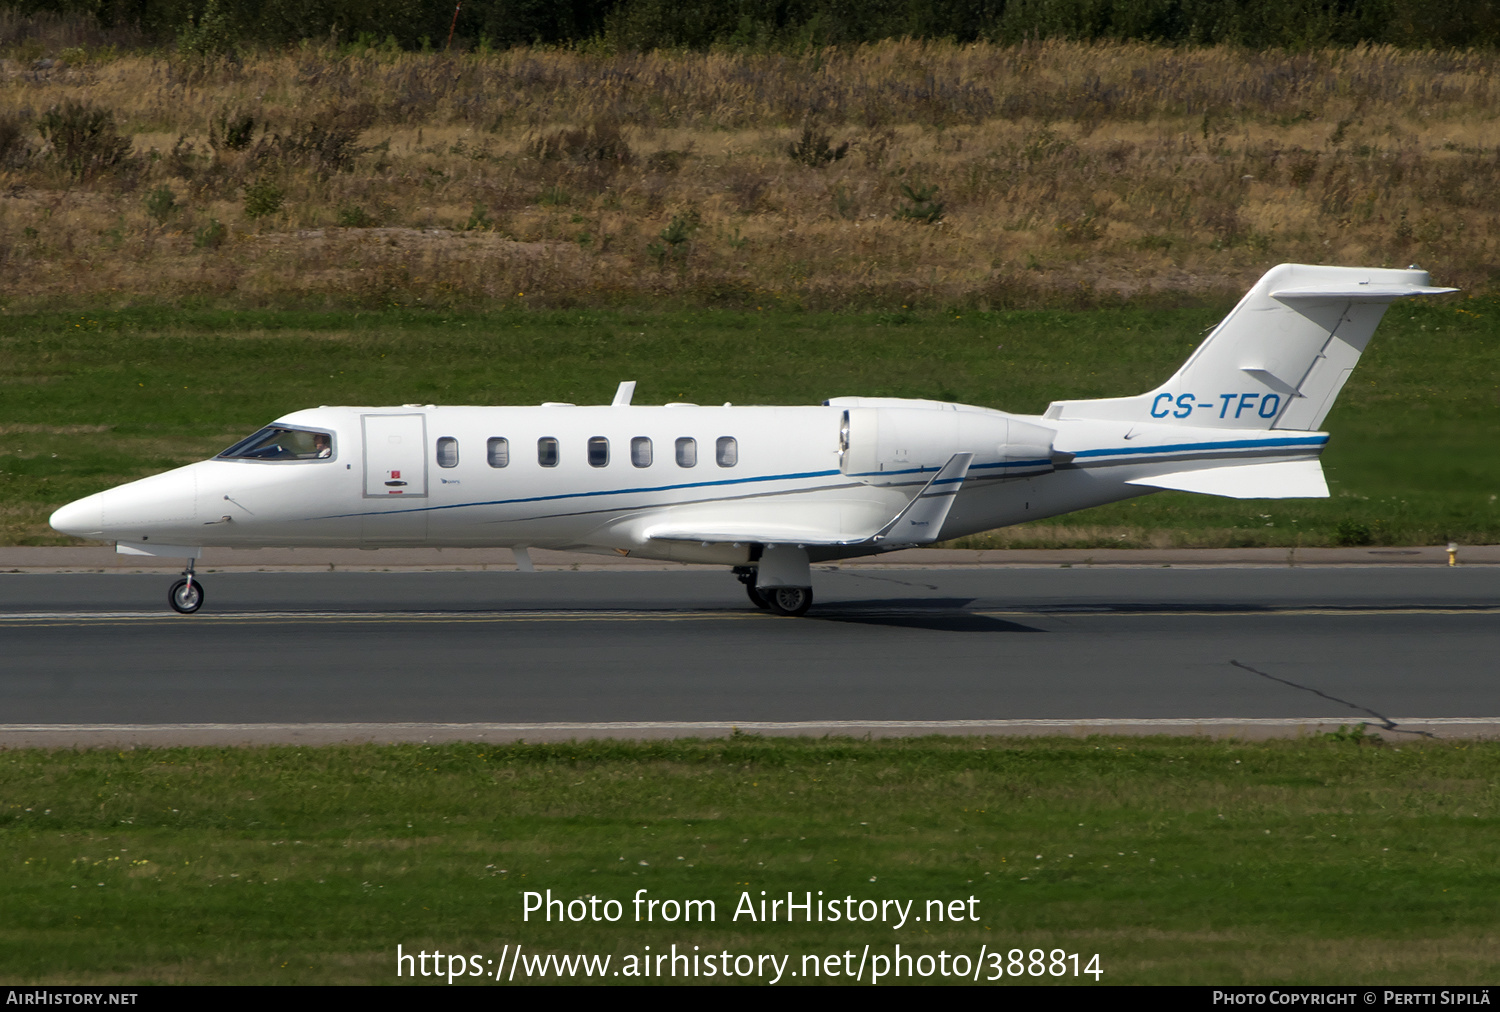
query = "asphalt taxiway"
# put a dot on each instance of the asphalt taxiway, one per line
(1411, 649)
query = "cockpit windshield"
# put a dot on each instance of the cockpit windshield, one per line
(276, 442)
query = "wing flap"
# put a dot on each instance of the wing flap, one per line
(1286, 479)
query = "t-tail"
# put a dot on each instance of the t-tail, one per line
(1279, 359)
(1276, 362)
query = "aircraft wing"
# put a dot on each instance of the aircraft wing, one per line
(918, 523)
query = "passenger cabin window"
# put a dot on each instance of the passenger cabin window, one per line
(687, 452)
(640, 451)
(276, 442)
(598, 451)
(447, 451)
(546, 451)
(497, 451)
(727, 451)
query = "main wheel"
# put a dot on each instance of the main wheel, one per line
(185, 597)
(756, 597)
(788, 600)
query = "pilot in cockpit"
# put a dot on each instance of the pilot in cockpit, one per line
(277, 443)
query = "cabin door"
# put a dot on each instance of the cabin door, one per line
(396, 472)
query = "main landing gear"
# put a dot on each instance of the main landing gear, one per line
(789, 600)
(782, 600)
(186, 595)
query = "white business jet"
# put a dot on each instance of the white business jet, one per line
(769, 490)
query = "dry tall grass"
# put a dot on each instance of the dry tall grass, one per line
(1063, 174)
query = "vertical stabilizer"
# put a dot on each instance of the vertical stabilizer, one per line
(1278, 360)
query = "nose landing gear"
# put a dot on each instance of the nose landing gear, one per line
(186, 595)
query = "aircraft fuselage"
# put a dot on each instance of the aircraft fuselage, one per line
(602, 478)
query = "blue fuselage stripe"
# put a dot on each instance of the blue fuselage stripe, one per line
(585, 495)
(1241, 444)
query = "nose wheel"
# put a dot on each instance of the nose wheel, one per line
(186, 595)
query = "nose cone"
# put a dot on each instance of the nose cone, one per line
(162, 504)
(81, 519)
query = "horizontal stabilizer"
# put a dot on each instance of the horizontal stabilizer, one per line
(1287, 479)
(1358, 292)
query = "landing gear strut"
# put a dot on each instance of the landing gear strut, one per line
(186, 595)
(746, 575)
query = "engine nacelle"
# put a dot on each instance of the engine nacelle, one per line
(886, 440)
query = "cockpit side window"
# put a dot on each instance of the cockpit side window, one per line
(278, 442)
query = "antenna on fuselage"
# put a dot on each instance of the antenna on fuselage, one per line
(623, 394)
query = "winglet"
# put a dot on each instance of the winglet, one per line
(922, 519)
(623, 394)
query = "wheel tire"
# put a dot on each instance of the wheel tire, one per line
(789, 600)
(184, 597)
(756, 597)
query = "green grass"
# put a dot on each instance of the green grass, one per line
(1412, 456)
(1333, 860)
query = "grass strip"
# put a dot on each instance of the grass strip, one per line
(1186, 861)
(90, 400)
